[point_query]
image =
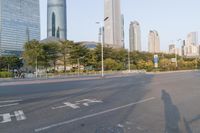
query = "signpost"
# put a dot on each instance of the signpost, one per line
(156, 59)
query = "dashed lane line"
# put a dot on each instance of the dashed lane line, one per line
(10, 101)
(8, 105)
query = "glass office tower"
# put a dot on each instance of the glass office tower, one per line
(19, 23)
(57, 19)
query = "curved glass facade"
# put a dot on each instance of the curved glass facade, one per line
(57, 19)
(19, 22)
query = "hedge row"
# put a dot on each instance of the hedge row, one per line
(5, 74)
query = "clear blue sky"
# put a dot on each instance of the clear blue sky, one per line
(173, 19)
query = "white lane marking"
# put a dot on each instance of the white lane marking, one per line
(7, 105)
(19, 115)
(67, 104)
(10, 101)
(92, 115)
(86, 102)
(74, 106)
(6, 118)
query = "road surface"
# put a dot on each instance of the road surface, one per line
(142, 103)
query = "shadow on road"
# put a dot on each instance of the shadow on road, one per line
(172, 115)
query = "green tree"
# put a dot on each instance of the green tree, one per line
(50, 54)
(64, 49)
(141, 64)
(10, 63)
(111, 64)
(33, 53)
(78, 52)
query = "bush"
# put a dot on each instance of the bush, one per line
(5, 74)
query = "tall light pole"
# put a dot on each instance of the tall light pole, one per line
(102, 45)
(78, 60)
(36, 67)
(129, 61)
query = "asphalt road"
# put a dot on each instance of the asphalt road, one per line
(161, 103)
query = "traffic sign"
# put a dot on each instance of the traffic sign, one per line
(156, 59)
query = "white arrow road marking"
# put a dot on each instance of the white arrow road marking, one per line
(67, 104)
(19, 115)
(74, 106)
(92, 115)
(86, 102)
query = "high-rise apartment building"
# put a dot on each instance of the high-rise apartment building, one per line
(112, 26)
(57, 19)
(192, 38)
(172, 49)
(123, 33)
(19, 23)
(191, 48)
(135, 36)
(154, 42)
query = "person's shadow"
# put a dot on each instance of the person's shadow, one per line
(172, 115)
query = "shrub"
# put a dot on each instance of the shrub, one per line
(5, 74)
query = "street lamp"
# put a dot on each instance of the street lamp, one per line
(101, 34)
(129, 61)
(36, 67)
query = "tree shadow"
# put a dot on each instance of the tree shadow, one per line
(172, 114)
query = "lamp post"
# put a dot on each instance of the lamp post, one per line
(101, 34)
(36, 67)
(129, 61)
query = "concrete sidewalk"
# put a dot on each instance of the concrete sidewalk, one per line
(66, 79)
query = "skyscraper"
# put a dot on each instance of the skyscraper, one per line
(191, 48)
(123, 33)
(192, 38)
(154, 42)
(172, 49)
(19, 23)
(57, 19)
(112, 29)
(135, 36)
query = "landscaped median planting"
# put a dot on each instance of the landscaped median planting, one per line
(6, 74)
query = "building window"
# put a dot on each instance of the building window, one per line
(53, 24)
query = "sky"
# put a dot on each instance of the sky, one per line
(173, 19)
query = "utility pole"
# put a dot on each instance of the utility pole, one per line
(102, 46)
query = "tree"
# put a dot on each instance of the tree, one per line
(50, 54)
(141, 64)
(78, 52)
(64, 49)
(10, 62)
(33, 54)
(111, 64)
